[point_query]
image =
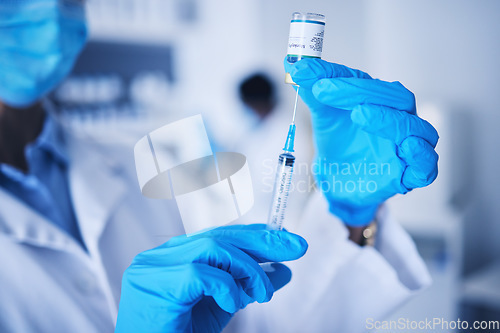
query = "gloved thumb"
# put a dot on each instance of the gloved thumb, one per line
(278, 274)
(307, 71)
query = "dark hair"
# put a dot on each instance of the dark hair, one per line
(257, 88)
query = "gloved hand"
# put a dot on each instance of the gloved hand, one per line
(370, 143)
(196, 283)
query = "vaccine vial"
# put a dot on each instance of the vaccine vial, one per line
(305, 39)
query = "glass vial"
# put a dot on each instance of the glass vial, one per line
(305, 39)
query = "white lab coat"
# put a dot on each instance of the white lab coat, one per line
(49, 284)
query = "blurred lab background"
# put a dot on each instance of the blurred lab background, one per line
(150, 62)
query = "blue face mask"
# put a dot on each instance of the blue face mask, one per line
(39, 43)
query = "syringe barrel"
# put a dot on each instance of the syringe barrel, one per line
(281, 191)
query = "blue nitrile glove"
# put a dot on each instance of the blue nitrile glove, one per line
(370, 143)
(196, 283)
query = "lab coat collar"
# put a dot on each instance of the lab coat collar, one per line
(97, 185)
(21, 223)
(51, 140)
(95, 179)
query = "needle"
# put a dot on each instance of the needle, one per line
(295, 106)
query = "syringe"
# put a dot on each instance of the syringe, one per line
(283, 177)
(304, 41)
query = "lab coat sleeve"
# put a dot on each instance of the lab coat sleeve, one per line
(339, 286)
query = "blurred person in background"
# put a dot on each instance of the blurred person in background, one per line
(72, 218)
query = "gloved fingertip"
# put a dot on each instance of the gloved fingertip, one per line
(279, 275)
(411, 180)
(306, 72)
(303, 245)
(324, 89)
(307, 65)
(432, 176)
(359, 116)
(286, 246)
(298, 246)
(422, 161)
(229, 306)
(259, 293)
(269, 268)
(244, 301)
(416, 150)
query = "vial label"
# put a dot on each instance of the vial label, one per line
(306, 38)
